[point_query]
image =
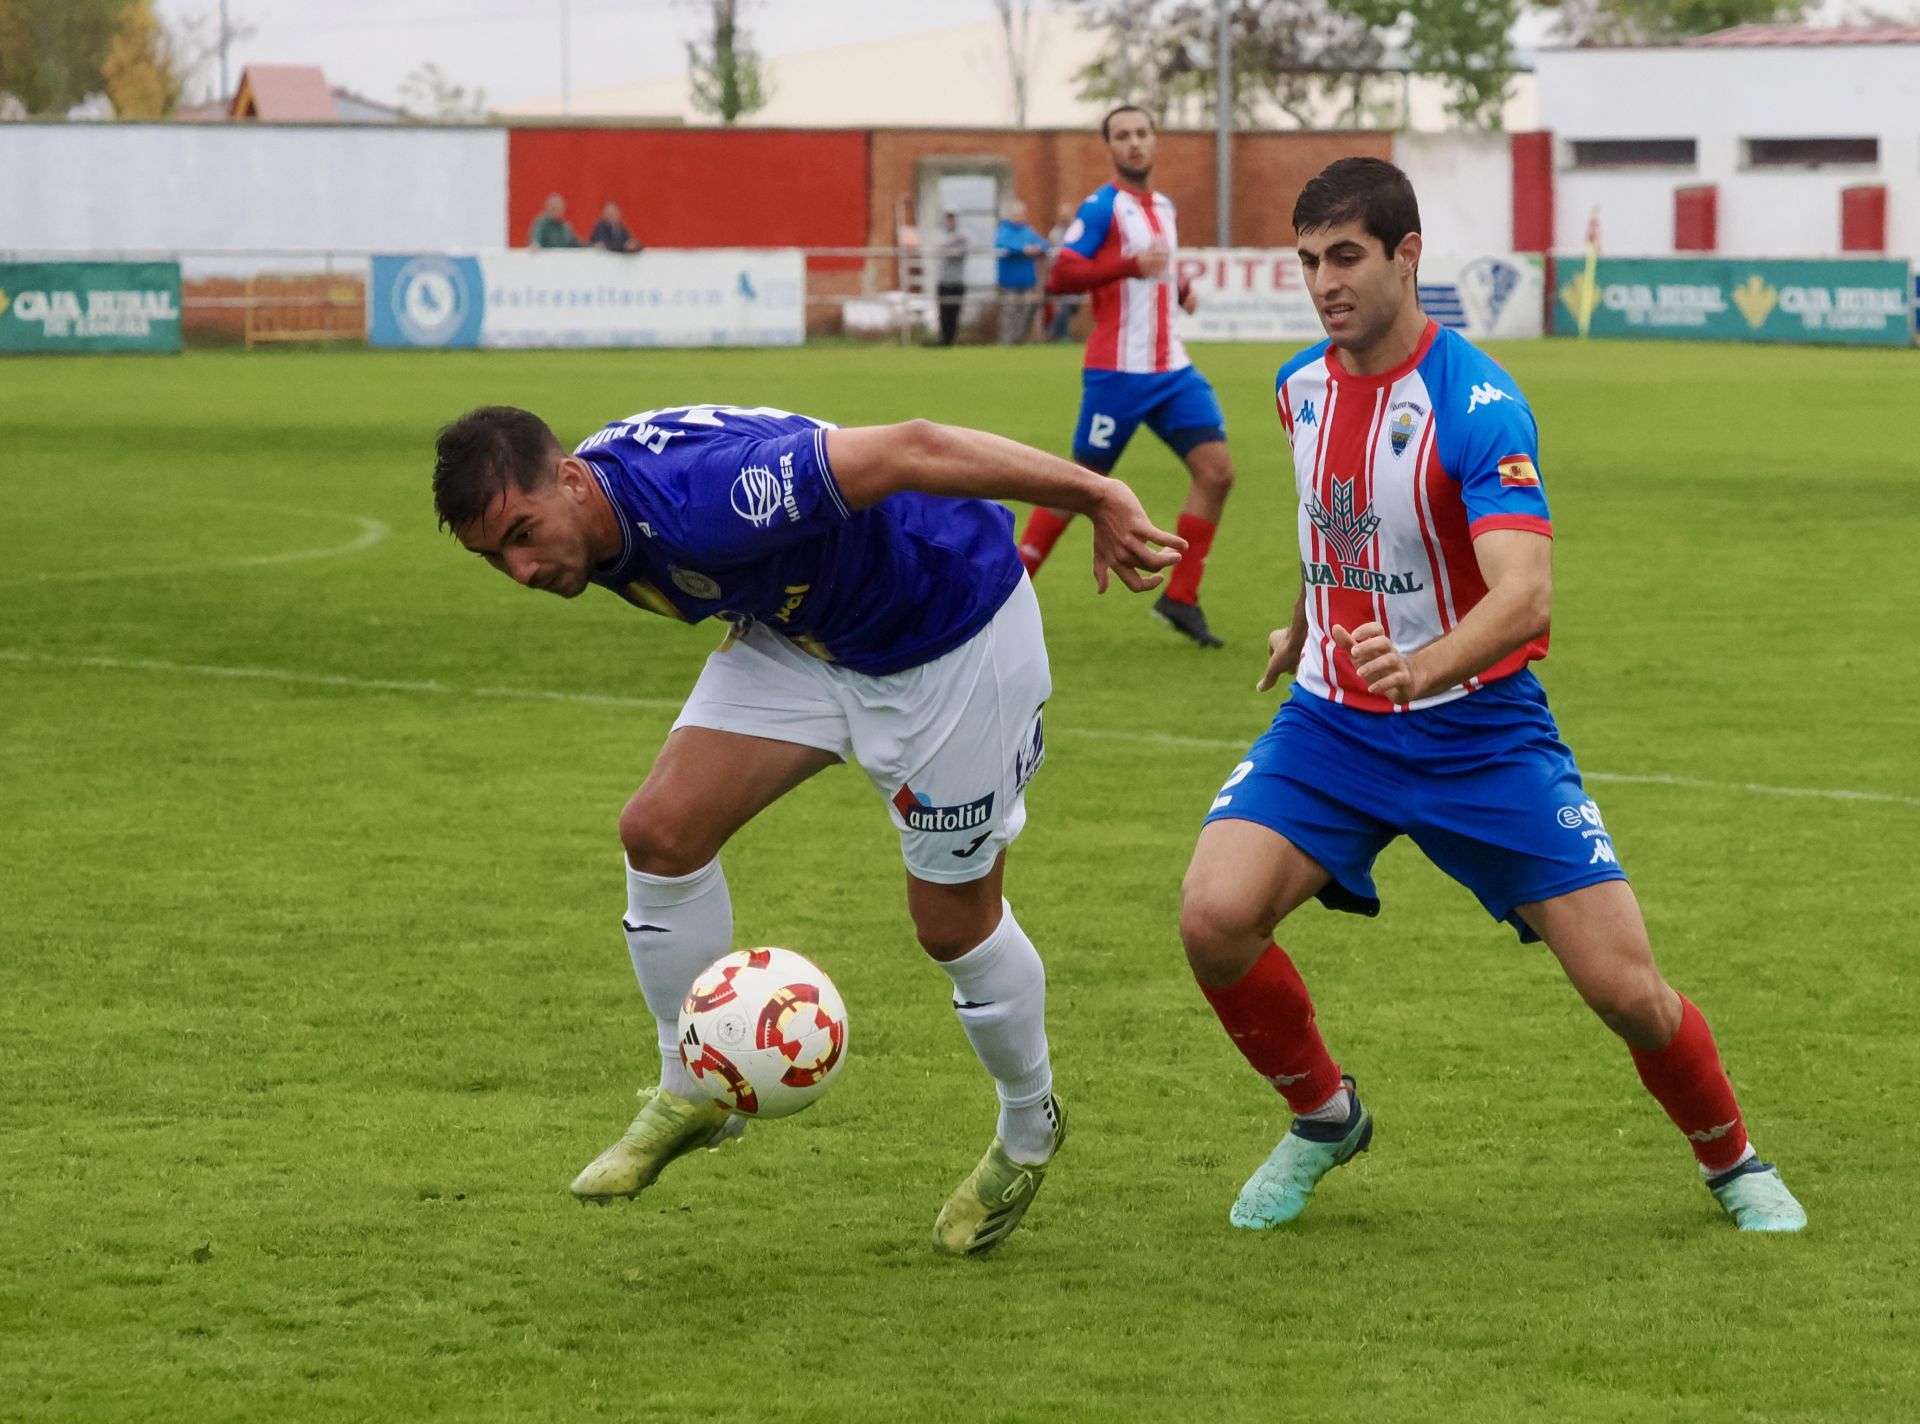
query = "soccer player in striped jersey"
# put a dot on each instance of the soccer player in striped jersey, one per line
(1121, 248)
(1425, 552)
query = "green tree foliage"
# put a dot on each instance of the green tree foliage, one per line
(1295, 55)
(52, 51)
(142, 71)
(431, 94)
(1652, 21)
(725, 72)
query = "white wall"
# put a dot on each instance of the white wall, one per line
(168, 187)
(1721, 96)
(1465, 185)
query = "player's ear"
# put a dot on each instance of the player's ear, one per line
(1407, 255)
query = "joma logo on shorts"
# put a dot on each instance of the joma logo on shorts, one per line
(921, 815)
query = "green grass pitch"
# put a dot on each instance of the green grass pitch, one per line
(313, 999)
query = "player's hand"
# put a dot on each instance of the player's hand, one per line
(1189, 299)
(1384, 670)
(1124, 540)
(1284, 657)
(1153, 261)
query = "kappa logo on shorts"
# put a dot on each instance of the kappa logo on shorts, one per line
(1585, 818)
(921, 814)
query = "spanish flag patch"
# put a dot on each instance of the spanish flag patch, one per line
(1518, 470)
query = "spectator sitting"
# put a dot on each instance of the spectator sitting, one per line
(550, 229)
(1017, 244)
(613, 234)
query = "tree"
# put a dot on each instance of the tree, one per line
(1652, 21)
(436, 97)
(1016, 31)
(725, 74)
(142, 70)
(51, 51)
(1296, 55)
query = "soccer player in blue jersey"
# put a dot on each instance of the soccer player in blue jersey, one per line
(1425, 553)
(879, 615)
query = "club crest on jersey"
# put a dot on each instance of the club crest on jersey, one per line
(692, 582)
(1345, 529)
(1406, 419)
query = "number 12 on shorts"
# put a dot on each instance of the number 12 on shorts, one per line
(1100, 432)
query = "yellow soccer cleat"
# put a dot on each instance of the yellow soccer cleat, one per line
(668, 1126)
(985, 1208)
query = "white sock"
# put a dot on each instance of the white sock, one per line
(1335, 1109)
(675, 927)
(1746, 1156)
(1000, 995)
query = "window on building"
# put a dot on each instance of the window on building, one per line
(1812, 152)
(1635, 152)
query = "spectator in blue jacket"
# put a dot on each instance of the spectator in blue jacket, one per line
(1017, 245)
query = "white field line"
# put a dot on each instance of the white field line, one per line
(372, 531)
(671, 704)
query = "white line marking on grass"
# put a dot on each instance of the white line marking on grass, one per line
(372, 531)
(673, 704)
(356, 684)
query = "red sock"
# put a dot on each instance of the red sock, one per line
(1269, 1016)
(1688, 1081)
(1183, 584)
(1037, 540)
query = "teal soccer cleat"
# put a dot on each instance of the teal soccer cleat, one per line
(1753, 1195)
(1280, 1190)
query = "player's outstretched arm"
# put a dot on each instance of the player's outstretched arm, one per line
(1518, 567)
(871, 462)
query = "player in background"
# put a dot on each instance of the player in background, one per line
(1121, 249)
(879, 615)
(1425, 547)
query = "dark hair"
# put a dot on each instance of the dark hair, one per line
(1106, 124)
(484, 451)
(1370, 191)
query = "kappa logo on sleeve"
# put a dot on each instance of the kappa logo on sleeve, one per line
(1486, 393)
(1518, 470)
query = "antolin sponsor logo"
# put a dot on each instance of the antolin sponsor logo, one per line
(922, 815)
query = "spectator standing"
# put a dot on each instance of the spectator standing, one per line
(612, 233)
(1059, 314)
(1017, 244)
(952, 277)
(551, 228)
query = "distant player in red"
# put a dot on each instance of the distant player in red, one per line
(1426, 589)
(1121, 249)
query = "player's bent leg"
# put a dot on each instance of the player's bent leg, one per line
(1244, 879)
(704, 786)
(999, 996)
(1600, 939)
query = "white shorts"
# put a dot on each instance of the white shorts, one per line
(951, 744)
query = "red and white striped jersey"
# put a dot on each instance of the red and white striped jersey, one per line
(1397, 474)
(1132, 315)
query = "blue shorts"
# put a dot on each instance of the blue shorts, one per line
(1178, 406)
(1483, 785)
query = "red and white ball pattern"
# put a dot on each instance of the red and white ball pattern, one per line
(763, 1031)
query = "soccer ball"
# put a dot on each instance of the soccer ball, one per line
(763, 1031)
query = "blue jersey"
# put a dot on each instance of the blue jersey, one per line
(732, 512)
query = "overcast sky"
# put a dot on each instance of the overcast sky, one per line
(512, 48)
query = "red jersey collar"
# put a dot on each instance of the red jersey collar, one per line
(1385, 378)
(1144, 194)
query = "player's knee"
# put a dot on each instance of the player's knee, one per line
(1641, 1008)
(1223, 935)
(1215, 477)
(658, 842)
